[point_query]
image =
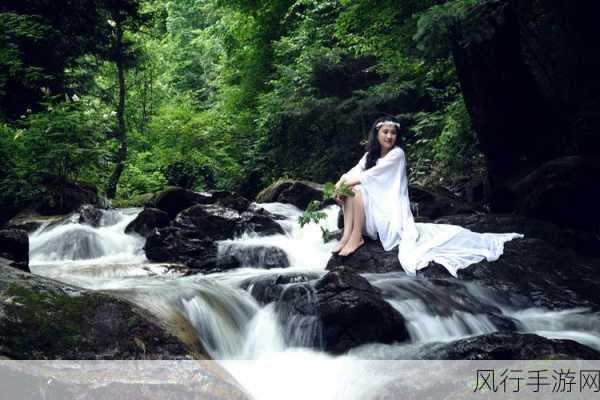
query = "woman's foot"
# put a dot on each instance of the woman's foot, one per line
(351, 247)
(340, 246)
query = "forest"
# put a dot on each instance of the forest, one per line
(132, 96)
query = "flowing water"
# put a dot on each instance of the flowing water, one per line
(234, 327)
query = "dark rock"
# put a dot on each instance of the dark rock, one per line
(583, 242)
(539, 50)
(211, 221)
(14, 248)
(251, 184)
(268, 288)
(90, 215)
(259, 222)
(298, 193)
(564, 191)
(255, 256)
(434, 203)
(347, 310)
(533, 273)
(371, 257)
(172, 200)
(44, 319)
(65, 197)
(509, 346)
(29, 226)
(147, 220)
(230, 200)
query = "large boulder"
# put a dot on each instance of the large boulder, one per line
(147, 220)
(564, 191)
(43, 319)
(530, 84)
(90, 215)
(298, 193)
(66, 197)
(433, 203)
(172, 200)
(191, 238)
(344, 311)
(255, 256)
(508, 346)
(370, 257)
(583, 242)
(268, 288)
(533, 273)
(14, 248)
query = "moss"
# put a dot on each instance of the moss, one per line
(271, 192)
(43, 319)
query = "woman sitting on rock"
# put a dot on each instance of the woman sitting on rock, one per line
(381, 208)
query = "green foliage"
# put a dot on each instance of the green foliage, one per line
(313, 213)
(66, 141)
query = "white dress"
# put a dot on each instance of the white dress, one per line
(387, 214)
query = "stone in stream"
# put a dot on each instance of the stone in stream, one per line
(371, 257)
(14, 248)
(508, 346)
(191, 238)
(255, 256)
(90, 215)
(147, 220)
(43, 319)
(268, 288)
(298, 193)
(172, 200)
(346, 310)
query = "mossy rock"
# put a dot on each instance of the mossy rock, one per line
(44, 319)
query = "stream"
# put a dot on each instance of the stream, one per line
(265, 356)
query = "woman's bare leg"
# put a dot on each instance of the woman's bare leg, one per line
(348, 222)
(356, 238)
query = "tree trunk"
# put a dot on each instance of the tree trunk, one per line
(121, 134)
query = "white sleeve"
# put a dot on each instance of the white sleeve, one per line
(386, 168)
(358, 168)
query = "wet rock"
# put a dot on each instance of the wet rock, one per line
(43, 319)
(268, 288)
(28, 226)
(255, 256)
(14, 248)
(172, 200)
(348, 311)
(370, 257)
(230, 200)
(533, 273)
(75, 244)
(90, 215)
(583, 242)
(298, 193)
(147, 220)
(509, 346)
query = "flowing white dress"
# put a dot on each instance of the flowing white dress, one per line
(387, 214)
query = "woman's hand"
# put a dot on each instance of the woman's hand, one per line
(339, 199)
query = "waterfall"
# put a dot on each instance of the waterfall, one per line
(233, 326)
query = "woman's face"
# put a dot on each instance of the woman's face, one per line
(386, 137)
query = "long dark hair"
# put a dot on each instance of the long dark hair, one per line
(373, 147)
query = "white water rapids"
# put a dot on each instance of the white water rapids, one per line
(233, 326)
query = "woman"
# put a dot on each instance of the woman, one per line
(381, 208)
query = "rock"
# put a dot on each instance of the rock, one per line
(172, 200)
(509, 346)
(90, 215)
(66, 197)
(583, 242)
(540, 51)
(14, 248)
(345, 309)
(533, 273)
(43, 319)
(230, 200)
(147, 220)
(370, 257)
(434, 203)
(563, 191)
(255, 256)
(298, 193)
(268, 288)
(29, 226)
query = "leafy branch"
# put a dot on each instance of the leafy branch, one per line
(313, 213)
